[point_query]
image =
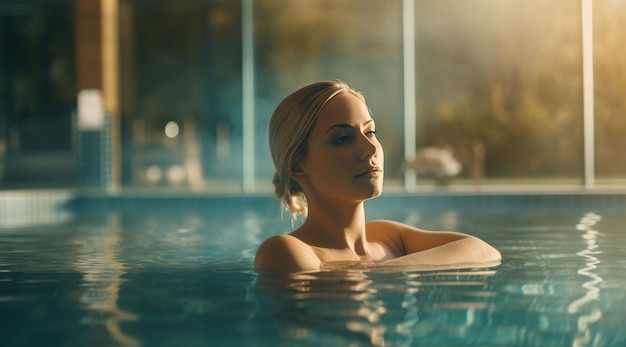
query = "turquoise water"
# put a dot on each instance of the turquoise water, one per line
(175, 274)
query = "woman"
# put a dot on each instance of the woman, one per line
(328, 162)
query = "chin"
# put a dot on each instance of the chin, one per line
(367, 191)
(376, 192)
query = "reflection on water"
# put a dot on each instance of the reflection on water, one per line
(102, 277)
(372, 307)
(591, 286)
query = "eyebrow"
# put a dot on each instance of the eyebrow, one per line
(348, 126)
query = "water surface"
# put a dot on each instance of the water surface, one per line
(174, 277)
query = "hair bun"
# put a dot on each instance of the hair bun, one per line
(290, 195)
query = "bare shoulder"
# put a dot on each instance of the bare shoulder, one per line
(397, 227)
(383, 225)
(386, 229)
(388, 233)
(285, 253)
(414, 239)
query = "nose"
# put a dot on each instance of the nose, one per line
(368, 147)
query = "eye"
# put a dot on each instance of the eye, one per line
(371, 133)
(341, 139)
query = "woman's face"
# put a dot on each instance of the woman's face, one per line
(344, 159)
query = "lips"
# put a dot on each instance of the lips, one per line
(371, 169)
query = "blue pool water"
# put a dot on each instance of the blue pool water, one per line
(178, 272)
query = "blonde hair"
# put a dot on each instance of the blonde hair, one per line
(289, 130)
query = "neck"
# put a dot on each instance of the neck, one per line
(337, 225)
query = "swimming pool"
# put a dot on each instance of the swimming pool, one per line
(177, 271)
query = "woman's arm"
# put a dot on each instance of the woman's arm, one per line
(465, 251)
(436, 248)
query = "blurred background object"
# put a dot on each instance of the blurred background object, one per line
(437, 163)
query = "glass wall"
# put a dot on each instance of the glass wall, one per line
(610, 84)
(181, 94)
(498, 88)
(186, 73)
(37, 94)
(500, 84)
(357, 41)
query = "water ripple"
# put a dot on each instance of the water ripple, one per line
(591, 286)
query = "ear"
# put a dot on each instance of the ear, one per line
(297, 173)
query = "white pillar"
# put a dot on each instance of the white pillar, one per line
(247, 27)
(588, 108)
(408, 34)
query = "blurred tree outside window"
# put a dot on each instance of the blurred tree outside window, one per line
(500, 84)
